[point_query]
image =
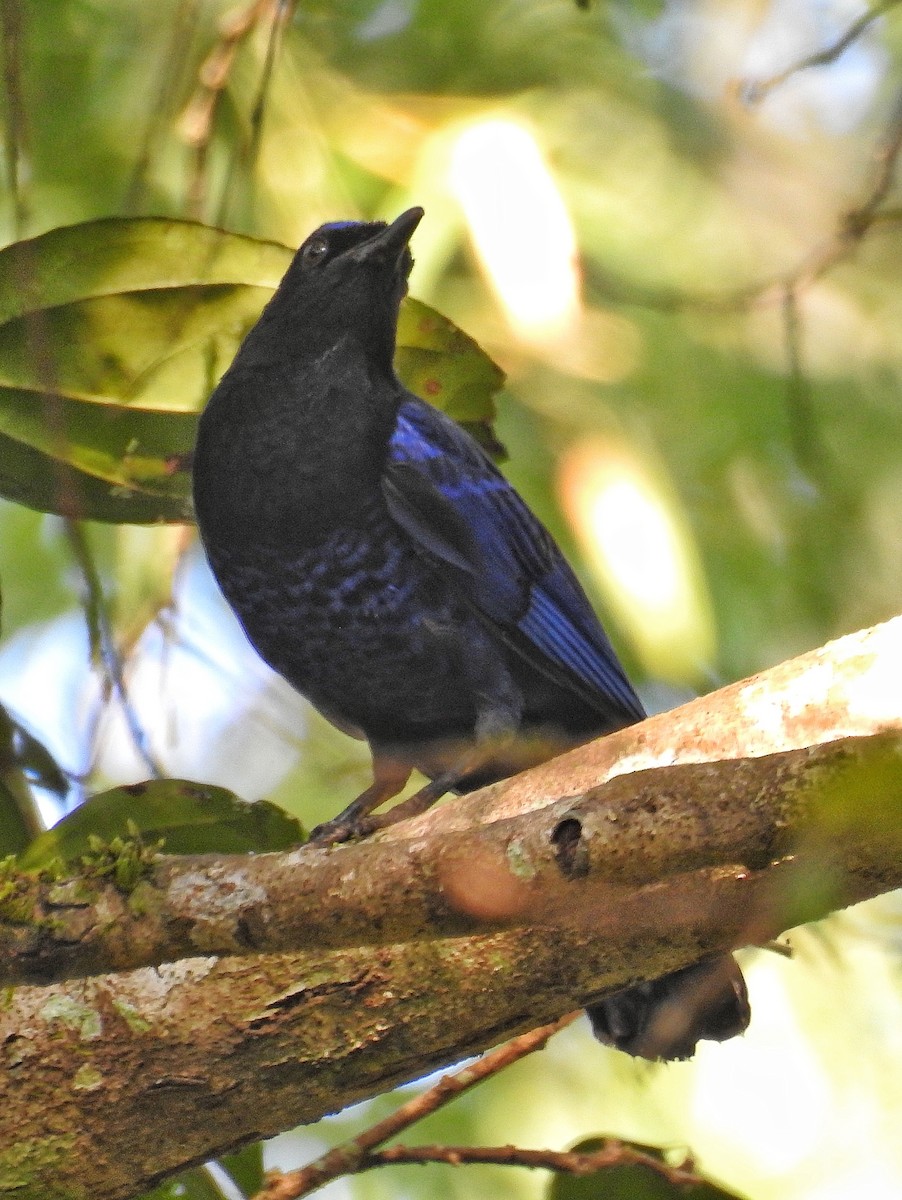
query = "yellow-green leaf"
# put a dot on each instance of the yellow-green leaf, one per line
(114, 332)
(191, 818)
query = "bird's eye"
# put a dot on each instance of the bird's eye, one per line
(316, 251)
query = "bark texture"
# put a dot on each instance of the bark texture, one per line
(433, 941)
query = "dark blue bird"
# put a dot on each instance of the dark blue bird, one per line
(379, 561)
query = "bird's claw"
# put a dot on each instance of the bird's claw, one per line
(338, 831)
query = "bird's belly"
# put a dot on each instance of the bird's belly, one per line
(365, 629)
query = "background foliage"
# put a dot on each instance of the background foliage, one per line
(704, 409)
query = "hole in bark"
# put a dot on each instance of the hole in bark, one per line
(569, 850)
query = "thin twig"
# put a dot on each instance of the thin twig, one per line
(613, 1153)
(754, 91)
(103, 643)
(802, 425)
(782, 949)
(247, 155)
(851, 228)
(352, 1155)
(280, 15)
(886, 157)
(198, 119)
(178, 46)
(16, 139)
(854, 224)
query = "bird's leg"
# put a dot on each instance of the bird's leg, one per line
(500, 705)
(499, 709)
(389, 778)
(422, 800)
(419, 802)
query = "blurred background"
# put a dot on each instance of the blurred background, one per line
(673, 226)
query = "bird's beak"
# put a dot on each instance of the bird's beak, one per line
(389, 244)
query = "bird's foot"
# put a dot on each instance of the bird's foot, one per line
(334, 832)
(420, 802)
(389, 778)
(356, 822)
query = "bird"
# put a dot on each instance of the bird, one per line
(382, 564)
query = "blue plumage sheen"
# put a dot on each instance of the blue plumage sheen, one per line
(380, 562)
(518, 576)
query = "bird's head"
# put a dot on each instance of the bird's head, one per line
(350, 276)
(359, 249)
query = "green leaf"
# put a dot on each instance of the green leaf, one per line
(629, 1182)
(15, 833)
(114, 332)
(106, 462)
(30, 756)
(118, 256)
(445, 366)
(246, 1168)
(101, 318)
(23, 761)
(191, 818)
(196, 1184)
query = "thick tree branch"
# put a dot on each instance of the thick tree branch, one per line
(847, 688)
(586, 862)
(636, 877)
(424, 879)
(359, 1153)
(397, 886)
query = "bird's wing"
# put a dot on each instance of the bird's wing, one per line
(463, 513)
